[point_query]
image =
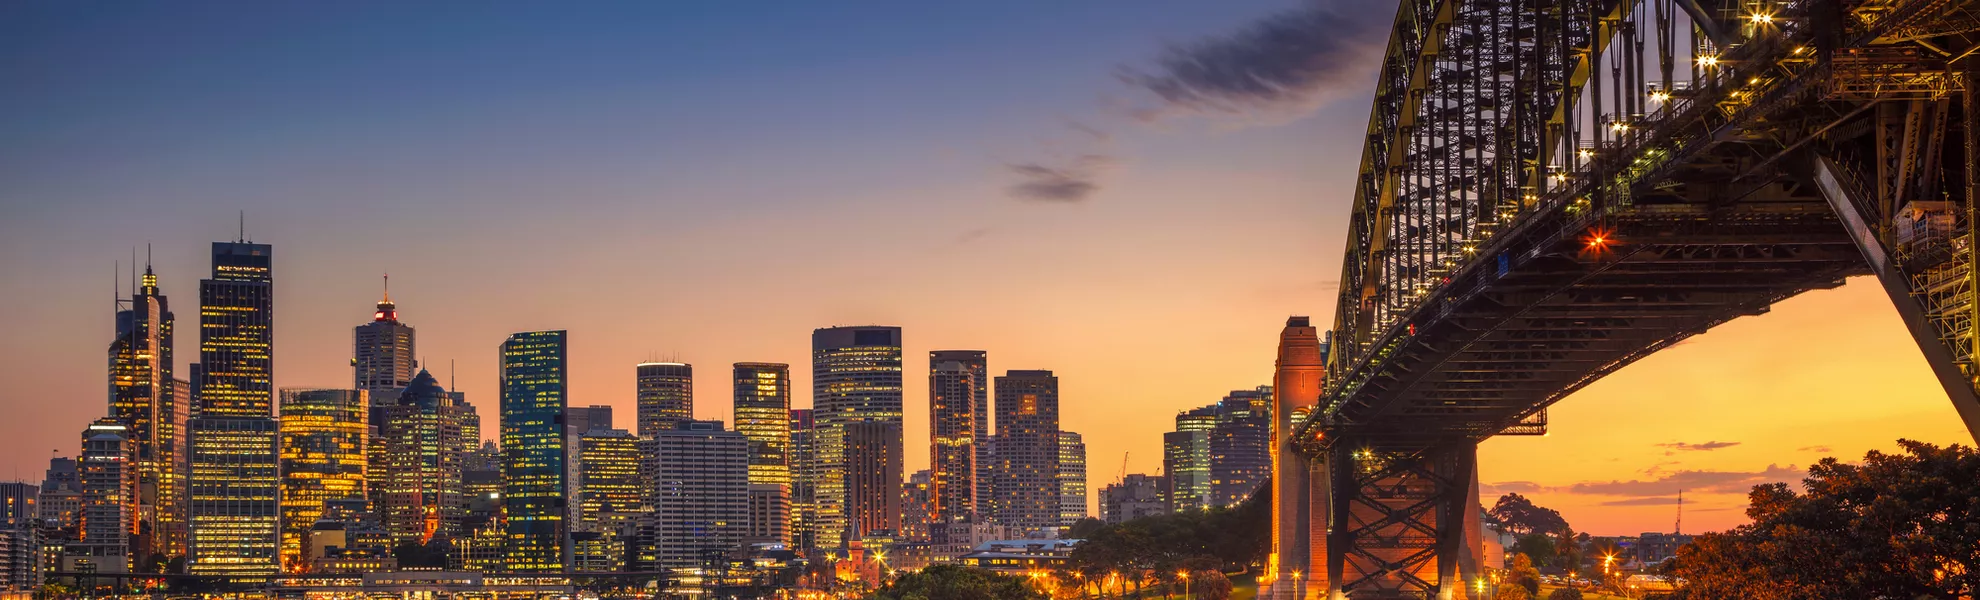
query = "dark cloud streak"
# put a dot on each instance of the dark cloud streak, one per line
(1284, 62)
(1073, 181)
(1704, 447)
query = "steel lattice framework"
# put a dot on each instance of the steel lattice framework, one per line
(1553, 189)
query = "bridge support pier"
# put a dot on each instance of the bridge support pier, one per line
(1403, 524)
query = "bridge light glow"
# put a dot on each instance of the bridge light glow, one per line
(1660, 95)
(1762, 18)
(1708, 61)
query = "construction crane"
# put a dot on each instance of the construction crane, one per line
(1122, 476)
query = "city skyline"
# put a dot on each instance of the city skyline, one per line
(1161, 293)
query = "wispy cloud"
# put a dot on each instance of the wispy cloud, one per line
(1821, 449)
(1647, 501)
(1711, 482)
(1067, 181)
(1286, 63)
(1512, 487)
(1701, 447)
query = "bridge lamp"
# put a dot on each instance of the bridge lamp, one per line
(1708, 61)
(1761, 18)
(1660, 95)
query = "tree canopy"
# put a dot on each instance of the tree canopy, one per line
(1896, 526)
(1518, 516)
(1217, 538)
(953, 582)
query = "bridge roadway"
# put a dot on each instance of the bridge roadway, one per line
(1554, 189)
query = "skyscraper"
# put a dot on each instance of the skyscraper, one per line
(1028, 452)
(953, 384)
(1072, 478)
(976, 363)
(1240, 445)
(1186, 460)
(534, 378)
(383, 351)
(665, 396)
(19, 525)
(143, 397)
(804, 480)
(109, 499)
(234, 479)
(856, 378)
(700, 492)
(611, 495)
(324, 442)
(762, 412)
(426, 434)
(917, 500)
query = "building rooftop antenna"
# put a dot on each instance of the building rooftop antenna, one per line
(242, 237)
(1679, 527)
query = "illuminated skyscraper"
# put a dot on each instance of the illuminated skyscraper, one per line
(383, 351)
(234, 479)
(856, 378)
(700, 492)
(20, 527)
(1241, 445)
(1028, 452)
(1186, 460)
(762, 413)
(534, 378)
(804, 480)
(611, 497)
(976, 363)
(426, 434)
(953, 384)
(109, 499)
(665, 396)
(1072, 478)
(917, 498)
(143, 397)
(324, 440)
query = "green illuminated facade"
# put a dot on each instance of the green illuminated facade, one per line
(535, 373)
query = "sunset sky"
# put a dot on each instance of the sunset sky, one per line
(1042, 180)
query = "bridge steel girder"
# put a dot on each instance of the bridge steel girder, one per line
(1505, 251)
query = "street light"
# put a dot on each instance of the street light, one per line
(1185, 577)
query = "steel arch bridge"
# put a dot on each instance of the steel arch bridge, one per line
(1552, 189)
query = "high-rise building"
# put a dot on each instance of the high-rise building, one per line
(234, 480)
(954, 382)
(143, 397)
(535, 374)
(1134, 497)
(977, 364)
(19, 527)
(580, 420)
(856, 378)
(1027, 479)
(611, 498)
(804, 481)
(700, 492)
(762, 412)
(917, 503)
(1072, 479)
(324, 444)
(425, 434)
(1241, 445)
(383, 351)
(1186, 460)
(665, 396)
(769, 509)
(60, 505)
(109, 492)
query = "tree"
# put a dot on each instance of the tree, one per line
(1518, 516)
(1567, 549)
(1083, 528)
(1896, 526)
(1522, 575)
(952, 582)
(1215, 539)
(1565, 594)
(1209, 585)
(1536, 547)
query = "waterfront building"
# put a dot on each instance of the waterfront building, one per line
(953, 384)
(426, 435)
(535, 374)
(1072, 479)
(804, 481)
(20, 567)
(109, 493)
(324, 444)
(917, 500)
(232, 506)
(1134, 497)
(1027, 455)
(975, 364)
(700, 493)
(143, 397)
(665, 396)
(856, 380)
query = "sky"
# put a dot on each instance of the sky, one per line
(1134, 194)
